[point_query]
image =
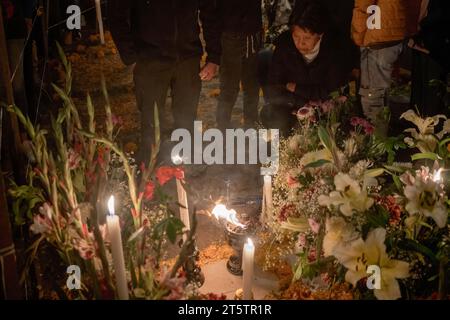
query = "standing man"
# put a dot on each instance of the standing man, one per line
(241, 24)
(380, 49)
(162, 38)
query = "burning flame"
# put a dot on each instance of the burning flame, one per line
(220, 211)
(437, 175)
(111, 206)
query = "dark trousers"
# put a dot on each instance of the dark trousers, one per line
(279, 117)
(152, 80)
(429, 99)
(239, 65)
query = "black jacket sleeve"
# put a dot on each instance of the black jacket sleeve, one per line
(209, 17)
(276, 90)
(333, 79)
(120, 18)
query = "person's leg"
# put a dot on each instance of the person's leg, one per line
(186, 86)
(425, 97)
(230, 76)
(278, 117)
(250, 85)
(376, 76)
(264, 60)
(151, 80)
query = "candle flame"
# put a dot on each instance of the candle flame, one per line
(111, 207)
(437, 175)
(220, 211)
(250, 242)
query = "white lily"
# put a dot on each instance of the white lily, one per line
(360, 254)
(424, 138)
(348, 197)
(425, 196)
(338, 233)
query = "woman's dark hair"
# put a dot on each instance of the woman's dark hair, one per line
(310, 16)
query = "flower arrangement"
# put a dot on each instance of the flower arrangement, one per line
(347, 208)
(73, 170)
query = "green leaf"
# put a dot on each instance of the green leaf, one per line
(136, 234)
(317, 164)
(425, 155)
(325, 138)
(397, 182)
(395, 169)
(374, 172)
(296, 224)
(409, 244)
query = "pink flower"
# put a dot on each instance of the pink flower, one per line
(342, 99)
(116, 120)
(327, 106)
(360, 122)
(174, 285)
(286, 212)
(291, 181)
(85, 249)
(305, 113)
(301, 240)
(314, 225)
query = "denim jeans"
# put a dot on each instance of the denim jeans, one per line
(376, 76)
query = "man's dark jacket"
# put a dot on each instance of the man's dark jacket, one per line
(238, 16)
(167, 30)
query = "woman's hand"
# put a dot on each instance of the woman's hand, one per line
(291, 87)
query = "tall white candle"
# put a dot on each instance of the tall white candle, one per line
(247, 268)
(267, 197)
(184, 211)
(182, 199)
(98, 9)
(115, 237)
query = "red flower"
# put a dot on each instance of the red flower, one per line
(394, 209)
(134, 213)
(149, 189)
(165, 174)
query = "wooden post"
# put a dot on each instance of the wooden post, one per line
(6, 76)
(9, 282)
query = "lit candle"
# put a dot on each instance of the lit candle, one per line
(98, 9)
(182, 200)
(267, 197)
(115, 237)
(184, 211)
(247, 268)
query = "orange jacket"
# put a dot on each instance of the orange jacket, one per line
(399, 20)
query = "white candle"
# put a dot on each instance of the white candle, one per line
(98, 9)
(115, 237)
(247, 268)
(267, 198)
(184, 211)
